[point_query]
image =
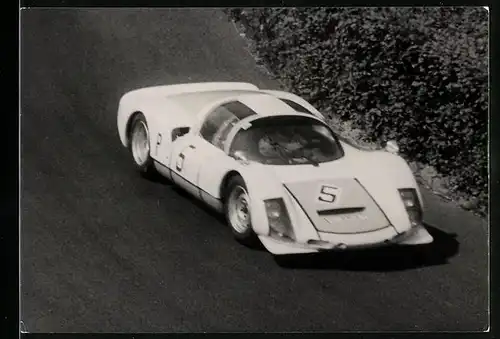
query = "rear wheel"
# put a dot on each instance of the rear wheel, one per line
(238, 212)
(139, 145)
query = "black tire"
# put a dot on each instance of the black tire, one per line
(248, 236)
(146, 167)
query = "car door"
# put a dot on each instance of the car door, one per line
(188, 155)
(196, 148)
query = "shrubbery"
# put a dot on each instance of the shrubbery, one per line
(417, 75)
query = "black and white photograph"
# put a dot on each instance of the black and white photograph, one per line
(254, 169)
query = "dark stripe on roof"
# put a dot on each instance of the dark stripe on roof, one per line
(297, 107)
(240, 110)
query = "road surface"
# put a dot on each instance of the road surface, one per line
(104, 250)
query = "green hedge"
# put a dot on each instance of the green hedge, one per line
(418, 75)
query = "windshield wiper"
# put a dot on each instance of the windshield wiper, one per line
(313, 161)
(282, 150)
(309, 158)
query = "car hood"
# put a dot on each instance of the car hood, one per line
(365, 190)
(340, 206)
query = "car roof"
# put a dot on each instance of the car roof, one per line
(195, 101)
(262, 103)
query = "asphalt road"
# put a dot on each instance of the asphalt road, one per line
(104, 250)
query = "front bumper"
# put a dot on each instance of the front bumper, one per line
(415, 236)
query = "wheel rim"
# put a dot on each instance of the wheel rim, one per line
(239, 210)
(140, 143)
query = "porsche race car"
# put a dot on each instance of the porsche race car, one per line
(268, 160)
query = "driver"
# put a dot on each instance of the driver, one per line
(286, 142)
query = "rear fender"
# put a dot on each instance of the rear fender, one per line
(160, 124)
(126, 112)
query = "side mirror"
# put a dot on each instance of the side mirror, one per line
(179, 132)
(391, 146)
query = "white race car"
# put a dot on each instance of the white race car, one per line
(270, 163)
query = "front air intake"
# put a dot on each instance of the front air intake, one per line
(338, 211)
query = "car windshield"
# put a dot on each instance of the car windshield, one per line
(285, 140)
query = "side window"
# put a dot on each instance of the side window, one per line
(299, 108)
(221, 120)
(213, 122)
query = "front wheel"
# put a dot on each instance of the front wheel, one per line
(238, 212)
(139, 145)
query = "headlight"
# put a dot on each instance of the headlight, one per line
(278, 219)
(412, 205)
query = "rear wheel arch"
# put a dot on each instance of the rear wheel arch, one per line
(146, 167)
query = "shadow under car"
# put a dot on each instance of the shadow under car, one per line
(390, 258)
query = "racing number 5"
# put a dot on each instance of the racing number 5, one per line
(327, 194)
